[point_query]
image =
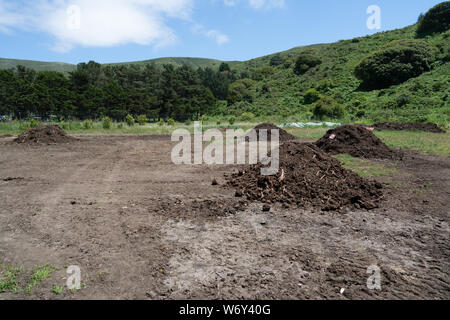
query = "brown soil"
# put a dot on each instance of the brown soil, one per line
(284, 135)
(141, 227)
(44, 135)
(427, 127)
(307, 176)
(356, 141)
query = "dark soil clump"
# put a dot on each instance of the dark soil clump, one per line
(356, 141)
(284, 135)
(307, 177)
(44, 135)
(411, 126)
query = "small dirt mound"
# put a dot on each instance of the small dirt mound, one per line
(44, 135)
(307, 177)
(411, 126)
(356, 141)
(284, 135)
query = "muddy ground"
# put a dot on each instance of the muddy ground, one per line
(140, 227)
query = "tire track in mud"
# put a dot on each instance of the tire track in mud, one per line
(84, 224)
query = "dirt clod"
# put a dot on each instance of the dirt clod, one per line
(356, 141)
(411, 126)
(311, 178)
(44, 135)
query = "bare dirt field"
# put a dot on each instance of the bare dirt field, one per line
(140, 227)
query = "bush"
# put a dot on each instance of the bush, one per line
(161, 123)
(65, 126)
(142, 119)
(395, 63)
(33, 123)
(247, 117)
(327, 107)
(232, 120)
(171, 122)
(106, 123)
(129, 120)
(437, 19)
(261, 73)
(239, 91)
(88, 125)
(311, 96)
(276, 60)
(120, 126)
(402, 100)
(306, 61)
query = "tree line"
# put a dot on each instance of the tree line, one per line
(93, 91)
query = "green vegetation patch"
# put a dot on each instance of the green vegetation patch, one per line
(424, 142)
(364, 168)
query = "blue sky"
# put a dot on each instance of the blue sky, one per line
(129, 30)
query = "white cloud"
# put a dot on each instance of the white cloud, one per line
(100, 23)
(258, 4)
(216, 35)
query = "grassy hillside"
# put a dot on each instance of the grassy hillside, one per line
(424, 98)
(177, 62)
(37, 65)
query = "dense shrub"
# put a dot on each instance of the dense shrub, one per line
(306, 61)
(247, 117)
(88, 125)
(161, 123)
(33, 123)
(437, 19)
(276, 60)
(261, 73)
(239, 91)
(231, 120)
(395, 63)
(106, 121)
(311, 96)
(129, 120)
(142, 119)
(327, 107)
(171, 122)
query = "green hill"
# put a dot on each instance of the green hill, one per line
(37, 65)
(177, 62)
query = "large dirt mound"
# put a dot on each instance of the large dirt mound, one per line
(411, 126)
(356, 141)
(307, 177)
(284, 135)
(44, 135)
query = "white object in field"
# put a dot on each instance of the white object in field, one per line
(309, 124)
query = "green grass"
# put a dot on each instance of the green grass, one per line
(8, 278)
(40, 273)
(57, 289)
(364, 168)
(423, 142)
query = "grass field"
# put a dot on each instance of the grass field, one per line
(424, 142)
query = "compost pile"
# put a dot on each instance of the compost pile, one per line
(356, 141)
(411, 126)
(284, 135)
(307, 177)
(44, 135)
